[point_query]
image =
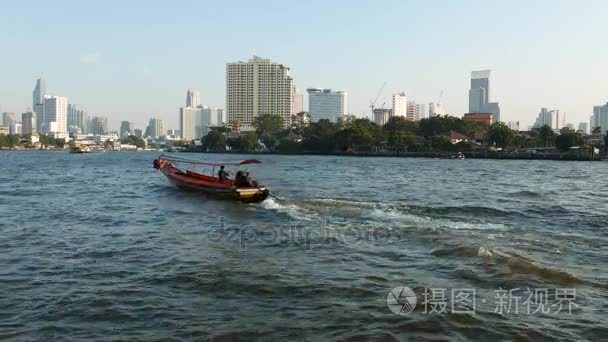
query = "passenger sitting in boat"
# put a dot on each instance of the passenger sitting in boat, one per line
(222, 174)
(242, 179)
(247, 179)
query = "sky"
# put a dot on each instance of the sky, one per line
(131, 60)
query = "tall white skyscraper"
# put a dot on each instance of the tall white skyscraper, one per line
(205, 118)
(187, 123)
(256, 87)
(55, 114)
(400, 105)
(327, 104)
(193, 98)
(479, 95)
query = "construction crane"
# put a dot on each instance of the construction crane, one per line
(372, 104)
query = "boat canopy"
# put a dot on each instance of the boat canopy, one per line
(200, 162)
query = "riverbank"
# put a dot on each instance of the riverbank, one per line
(440, 155)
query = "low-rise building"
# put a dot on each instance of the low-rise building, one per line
(482, 117)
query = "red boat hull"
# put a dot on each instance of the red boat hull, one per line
(192, 181)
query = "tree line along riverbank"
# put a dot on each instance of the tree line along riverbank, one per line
(437, 137)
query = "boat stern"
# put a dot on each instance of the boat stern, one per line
(252, 195)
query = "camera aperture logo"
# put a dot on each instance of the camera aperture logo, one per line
(401, 300)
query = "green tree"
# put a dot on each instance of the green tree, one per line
(500, 135)
(319, 136)
(46, 141)
(544, 136)
(440, 125)
(267, 124)
(568, 138)
(400, 132)
(244, 143)
(359, 135)
(287, 145)
(441, 143)
(221, 129)
(249, 141)
(133, 140)
(299, 122)
(596, 130)
(214, 141)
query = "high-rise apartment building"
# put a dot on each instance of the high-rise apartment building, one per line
(415, 111)
(400, 105)
(187, 122)
(99, 125)
(479, 95)
(600, 118)
(28, 123)
(551, 118)
(221, 117)
(298, 102)
(156, 127)
(326, 104)
(514, 125)
(77, 120)
(256, 87)
(126, 128)
(15, 128)
(8, 118)
(205, 118)
(193, 98)
(55, 114)
(583, 128)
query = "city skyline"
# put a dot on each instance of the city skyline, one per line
(124, 78)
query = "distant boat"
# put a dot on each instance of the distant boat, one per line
(80, 149)
(210, 185)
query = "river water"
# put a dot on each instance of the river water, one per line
(99, 246)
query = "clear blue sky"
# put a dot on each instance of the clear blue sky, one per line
(135, 59)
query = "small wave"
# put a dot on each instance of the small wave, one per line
(516, 263)
(336, 203)
(419, 220)
(283, 206)
(460, 211)
(526, 193)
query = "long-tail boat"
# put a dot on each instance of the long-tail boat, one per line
(190, 180)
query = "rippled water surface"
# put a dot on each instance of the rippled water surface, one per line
(99, 246)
